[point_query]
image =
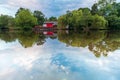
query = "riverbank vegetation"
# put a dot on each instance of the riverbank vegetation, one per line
(104, 14)
(24, 19)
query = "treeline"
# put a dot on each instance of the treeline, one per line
(104, 14)
(24, 19)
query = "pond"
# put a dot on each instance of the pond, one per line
(60, 55)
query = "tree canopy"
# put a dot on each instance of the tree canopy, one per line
(40, 17)
(6, 21)
(25, 19)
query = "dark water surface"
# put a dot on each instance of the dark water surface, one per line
(60, 55)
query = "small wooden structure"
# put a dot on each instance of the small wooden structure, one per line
(50, 24)
(47, 26)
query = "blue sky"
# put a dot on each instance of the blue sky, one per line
(48, 7)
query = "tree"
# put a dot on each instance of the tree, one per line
(106, 8)
(62, 21)
(82, 19)
(52, 18)
(6, 21)
(114, 22)
(94, 9)
(85, 11)
(19, 10)
(117, 7)
(40, 17)
(25, 19)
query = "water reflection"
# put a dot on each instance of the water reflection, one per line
(63, 55)
(99, 42)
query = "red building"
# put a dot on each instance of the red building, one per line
(50, 24)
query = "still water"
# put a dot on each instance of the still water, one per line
(60, 55)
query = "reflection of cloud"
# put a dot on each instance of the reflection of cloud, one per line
(55, 61)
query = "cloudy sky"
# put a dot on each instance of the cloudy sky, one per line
(48, 7)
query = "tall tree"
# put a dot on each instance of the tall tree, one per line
(94, 9)
(25, 19)
(106, 8)
(19, 10)
(117, 7)
(40, 17)
(6, 21)
(52, 18)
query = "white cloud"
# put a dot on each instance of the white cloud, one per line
(48, 7)
(23, 3)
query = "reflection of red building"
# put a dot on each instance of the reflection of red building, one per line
(50, 24)
(48, 33)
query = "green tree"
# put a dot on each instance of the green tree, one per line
(75, 18)
(99, 22)
(40, 17)
(117, 7)
(6, 21)
(19, 10)
(94, 9)
(52, 18)
(85, 11)
(114, 22)
(106, 7)
(25, 19)
(82, 19)
(62, 22)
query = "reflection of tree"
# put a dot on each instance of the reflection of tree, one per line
(41, 39)
(99, 48)
(7, 36)
(26, 38)
(111, 43)
(99, 42)
(80, 39)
